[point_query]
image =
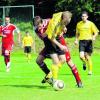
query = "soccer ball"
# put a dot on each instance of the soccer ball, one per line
(58, 85)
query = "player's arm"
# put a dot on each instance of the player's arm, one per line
(19, 37)
(62, 47)
(1, 35)
(94, 30)
(23, 43)
(77, 36)
(19, 34)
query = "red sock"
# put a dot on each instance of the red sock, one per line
(7, 59)
(76, 74)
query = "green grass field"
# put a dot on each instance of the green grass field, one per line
(23, 82)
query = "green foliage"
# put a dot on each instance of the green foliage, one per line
(75, 6)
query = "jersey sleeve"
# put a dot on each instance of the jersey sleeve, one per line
(94, 28)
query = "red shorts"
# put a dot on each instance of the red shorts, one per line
(67, 53)
(7, 47)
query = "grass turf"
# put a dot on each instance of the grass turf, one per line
(23, 82)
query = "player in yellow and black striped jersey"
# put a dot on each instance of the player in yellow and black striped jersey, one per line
(86, 32)
(54, 29)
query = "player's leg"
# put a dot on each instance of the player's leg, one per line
(90, 65)
(82, 51)
(62, 60)
(7, 59)
(70, 63)
(75, 73)
(89, 50)
(55, 65)
(42, 65)
(40, 61)
(83, 59)
(25, 51)
(29, 53)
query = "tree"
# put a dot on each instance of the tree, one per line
(77, 6)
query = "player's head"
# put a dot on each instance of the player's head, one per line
(66, 17)
(7, 20)
(27, 33)
(37, 21)
(84, 16)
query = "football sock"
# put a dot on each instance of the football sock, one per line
(7, 59)
(76, 74)
(44, 67)
(89, 64)
(54, 69)
(84, 60)
(59, 65)
(49, 75)
(29, 56)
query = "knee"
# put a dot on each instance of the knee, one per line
(82, 56)
(63, 61)
(6, 53)
(38, 61)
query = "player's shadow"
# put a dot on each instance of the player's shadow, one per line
(28, 86)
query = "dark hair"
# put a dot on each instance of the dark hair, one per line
(27, 32)
(37, 20)
(85, 12)
(7, 17)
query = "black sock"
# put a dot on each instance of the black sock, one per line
(44, 67)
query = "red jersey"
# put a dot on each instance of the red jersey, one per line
(40, 32)
(8, 32)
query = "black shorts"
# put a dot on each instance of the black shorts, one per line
(44, 52)
(27, 49)
(86, 46)
(51, 48)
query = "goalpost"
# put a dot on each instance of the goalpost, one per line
(19, 14)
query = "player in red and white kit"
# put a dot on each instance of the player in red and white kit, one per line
(41, 26)
(7, 33)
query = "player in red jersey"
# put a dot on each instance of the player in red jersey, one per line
(7, 33)
(40, 30)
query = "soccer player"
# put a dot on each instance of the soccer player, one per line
(42, 55)
(86, 33)
(27, 44)
(7, 33)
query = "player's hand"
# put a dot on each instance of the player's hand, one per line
(4, 36)
(65, 30)
(76, 42)
(63, 48)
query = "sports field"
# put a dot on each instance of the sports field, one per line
(23, 82)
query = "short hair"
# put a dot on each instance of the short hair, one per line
(7, 17)
(37, 20)
(27, 32)
(67, 13)
(85, 12)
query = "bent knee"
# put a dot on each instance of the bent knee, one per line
(63, 61)
(38, 61)
(6, 53)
